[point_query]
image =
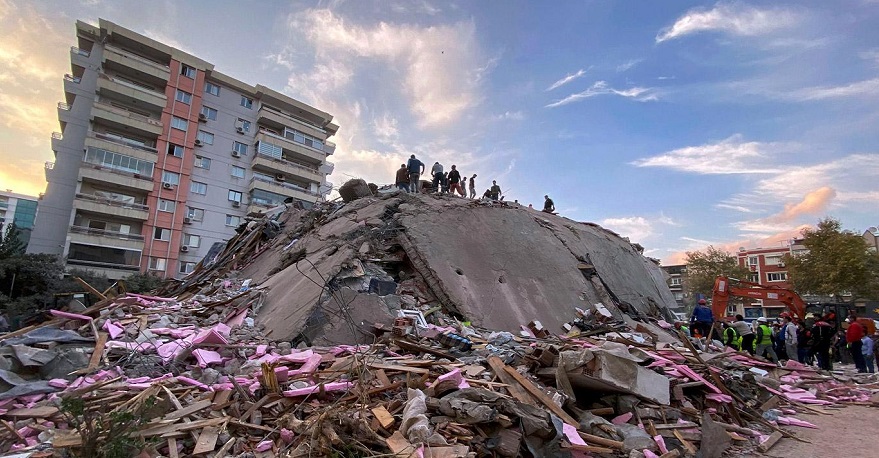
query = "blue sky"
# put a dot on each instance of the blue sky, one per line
(677, 124)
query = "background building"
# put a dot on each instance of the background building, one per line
(159, 156)
(871, 236)
(767, 267)
(20, 209)
(677, 276)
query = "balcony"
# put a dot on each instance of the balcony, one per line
(98, 237)
(131, 93)
(120, 145)
(57, 138)
(47, 168)
(126, 61)
(297, 151)
(285, 189)
(104, 206)
(279, 120)
(122, 118)
(96, 173)
(285, 167)
(110, 261)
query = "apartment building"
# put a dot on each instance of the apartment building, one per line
(19, 209)
(677, 276)
(767, 267)
(871, 236)
(159, 156)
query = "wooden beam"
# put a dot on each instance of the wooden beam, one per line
(90, 288)
(514, 388)
(542, 397)
(768, 443)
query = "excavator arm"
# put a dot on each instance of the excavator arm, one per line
(725, 287)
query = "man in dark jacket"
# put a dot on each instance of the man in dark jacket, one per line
(403, 178)
(822, 335)
(702, 319)
(416, 168)
(455, 182)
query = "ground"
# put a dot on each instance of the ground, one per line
(850, 432)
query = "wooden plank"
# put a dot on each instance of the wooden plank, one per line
(221, 398)
(382, 377)
(514, 388)
(384, 417)
(393, 367)
(99, 351)
(602, 411)
(691, 449)
(160, 429)
(768, 443)
(589, 448)
(172, 448)
(769, 404)
(207, 440)
(684, 425)
(34, 412)
(541, 396)
(188, 410)
(90, 288)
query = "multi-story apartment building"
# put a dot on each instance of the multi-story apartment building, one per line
(871, 236)
(767, 267)
(160, 155)
(19, 209)
(677, 276)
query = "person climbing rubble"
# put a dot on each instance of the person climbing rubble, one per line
(548, 205)
(416, 168)
(701, 319)
(402, 180)
(765, 340)
(455, 182)
(495, 190)
(473, 186)
(745, 332)
(487, 194)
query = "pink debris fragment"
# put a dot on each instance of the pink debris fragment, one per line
(660, 442)
(114, 329)
(152, 298)
(310, 365)
(58, 383)
(286, 435)
(696, 377)
(236, 319)
(261, 350)
(207, 357)
(70, 316)
(571, 434)
(648, 454)
(796, 422)
(724, 398)
(456, 377)
(622, 419)
(214, 335)
(336, 386)
(194, 382)
(264, 446)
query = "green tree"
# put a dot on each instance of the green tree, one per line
(11, 244)
(704, 266)
(836, 262)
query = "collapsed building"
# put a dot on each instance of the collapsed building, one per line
(400, 325)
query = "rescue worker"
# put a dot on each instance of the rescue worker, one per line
(455, 182)
(403, 178)
(731, 337)
(548, 205)
(745, 333)
(789, 329)
(764, 340)
(853, 336)
(680, 326)
(822, 335)
(702, 319)
(495, 190)
(416, 168)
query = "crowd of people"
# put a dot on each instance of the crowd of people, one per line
(408, 179)
(811, 341)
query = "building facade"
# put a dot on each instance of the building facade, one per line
(159, 156)
(19, 209)
(677, 278)
(871, 236)
(767, 267)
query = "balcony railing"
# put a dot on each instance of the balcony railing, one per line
(135, 86)
(50, 165)
(112, 202)
(81, 52)
(129, 114)
(103, 233)
(292, 118)
(106, 265)
(289, 163)
(136, 57)
(284, 185)
(57, 136)
(281, 137)
(63, 106)
(120, 141)
(72, 79)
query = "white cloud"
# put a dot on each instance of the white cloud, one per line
(509, 115)
(628, 65)
(859, 88)
(641, 94)
(729, 156)
(386, 127)
(738, 208)
(637, 228)
(566, 79)
(871, 55)
(731, 18)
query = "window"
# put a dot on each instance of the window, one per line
(175, 150)
(195, 214)
(178, 123)
(234, 196)
(246, 102)
(679, 296)
(186, 267)
(166, 205)
(205, 137)
(242, 125)
(752, 260)
(212, 88)
(776, 276)
(171, 177)
(676, 281)
(754, 278)
(209, 113)
(239, 148)
(187, 71)
(191, 241)
(183, 96)
(161, 233)
(306, 140)
(232, 220)
(119, 162)
(238, 172)
(202, 162)
(157, 263)
(198, 188)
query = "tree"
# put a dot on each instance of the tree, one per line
(704, 266)
(11, 244)
(836, 262)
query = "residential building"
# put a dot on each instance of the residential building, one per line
(19, 209)
(677, 278)
(767, 267)
(159, 156)
(871, 236)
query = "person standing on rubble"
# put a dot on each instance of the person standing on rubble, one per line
(548, 205)
(822, 336)
(436, 172)
(789, 329)
(495, 190)
(731, 337)
(867, 350)
(444, 183)
(702, 319)
(416, 168)
(853, 336)
(455, 182)
(764, 340)
(745, 332)
(804, 343)
(473, 186)
(403, 178)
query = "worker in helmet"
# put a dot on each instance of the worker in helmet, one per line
(702, 319)
(764, 340)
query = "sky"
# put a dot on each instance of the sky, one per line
(677, 124)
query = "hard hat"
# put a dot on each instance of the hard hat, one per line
(762, 319)
(702, 302)
(784, 315)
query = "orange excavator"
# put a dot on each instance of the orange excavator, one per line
(725, 287)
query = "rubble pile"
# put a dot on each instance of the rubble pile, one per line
(198, 368)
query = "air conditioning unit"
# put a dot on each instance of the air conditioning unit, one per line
(187, 220)
(198, 143)
(236, 204)
(279, 177)
(184, 248)
(780, 264)
(202, 117)
(167, 185)
(240, 130)
(236, 154)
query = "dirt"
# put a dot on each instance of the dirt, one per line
(849, 432)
